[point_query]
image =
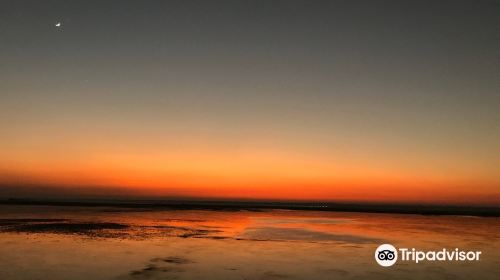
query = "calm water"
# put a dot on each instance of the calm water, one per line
(108, 243)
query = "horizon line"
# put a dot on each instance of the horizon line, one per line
(259, 205)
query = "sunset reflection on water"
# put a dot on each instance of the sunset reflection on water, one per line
(110, 243)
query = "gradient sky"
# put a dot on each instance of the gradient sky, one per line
(317, 100)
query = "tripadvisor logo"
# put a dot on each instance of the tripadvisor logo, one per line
(387, 255)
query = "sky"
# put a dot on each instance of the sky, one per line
(371, 101)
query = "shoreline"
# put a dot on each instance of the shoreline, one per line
(480, 211)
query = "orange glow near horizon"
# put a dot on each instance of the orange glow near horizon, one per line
(315, 101)
(247, 176)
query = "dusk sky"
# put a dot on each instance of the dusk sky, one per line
(370, 101)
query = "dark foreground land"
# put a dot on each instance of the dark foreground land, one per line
(482, 211)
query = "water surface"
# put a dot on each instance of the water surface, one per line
(47, 242)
